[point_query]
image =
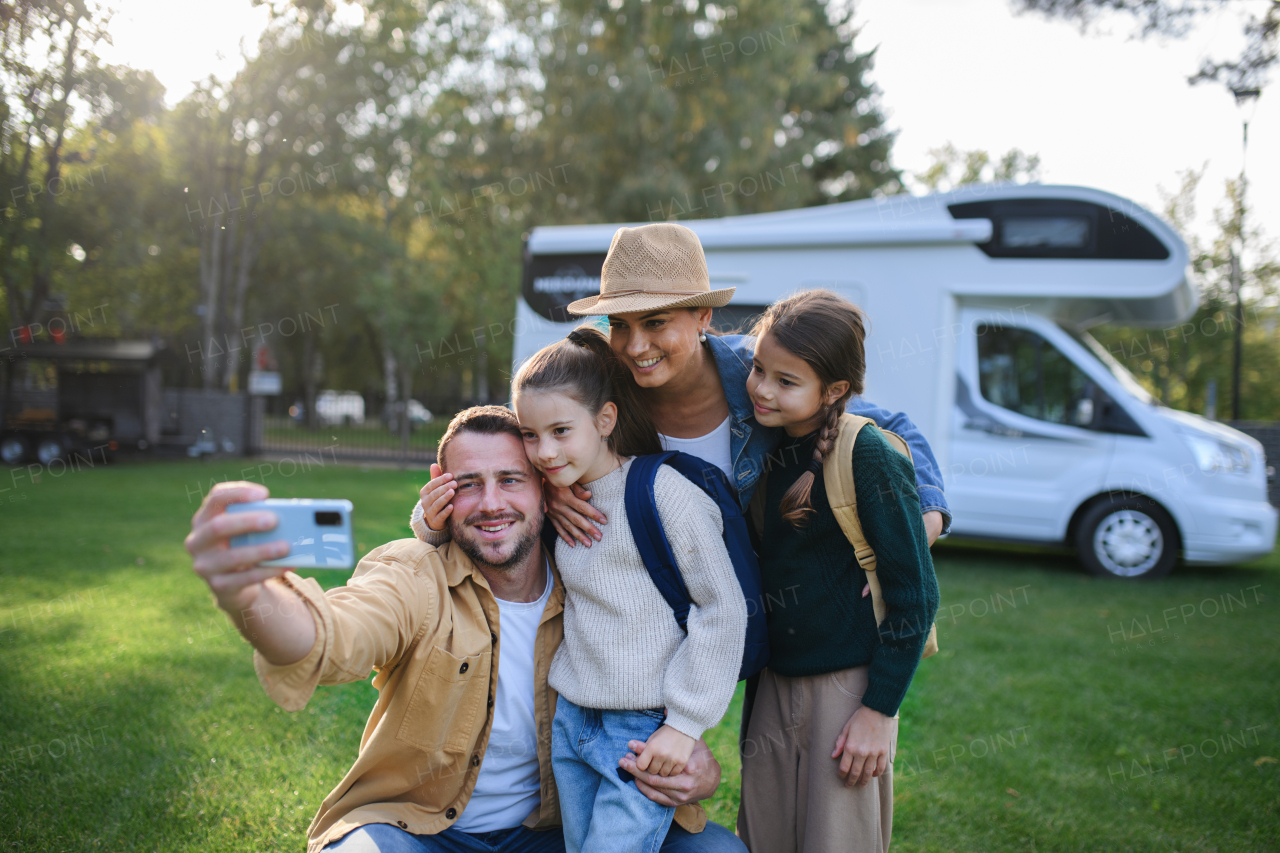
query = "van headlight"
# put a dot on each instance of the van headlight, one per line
(1214, 455)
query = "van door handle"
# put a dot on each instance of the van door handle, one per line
(993, 428)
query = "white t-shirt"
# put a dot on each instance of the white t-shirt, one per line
(508, 786)
(712, 447)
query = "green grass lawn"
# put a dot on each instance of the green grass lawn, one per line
(1056, 717)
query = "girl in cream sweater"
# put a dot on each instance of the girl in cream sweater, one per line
(625, 670)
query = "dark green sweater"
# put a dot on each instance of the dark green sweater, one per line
(818, 620)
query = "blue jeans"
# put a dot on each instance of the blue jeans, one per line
(602, 813)
(385, 838)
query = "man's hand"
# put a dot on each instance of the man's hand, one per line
(571, 515)
(666, 752)
(233, 574)
(269, 615)
(437, 498)
(933, 522)
(699, 780)
(865, 747)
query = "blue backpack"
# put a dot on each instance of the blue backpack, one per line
(655, 550)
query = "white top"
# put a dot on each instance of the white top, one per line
(712, 447)
(507, 788)
(623, 649)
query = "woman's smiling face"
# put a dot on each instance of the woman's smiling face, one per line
(657, 345)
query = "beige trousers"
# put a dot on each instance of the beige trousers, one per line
(793, 801)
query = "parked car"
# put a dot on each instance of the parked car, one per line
(340, 407)
(418, 413)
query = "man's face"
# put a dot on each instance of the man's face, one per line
(497, 508)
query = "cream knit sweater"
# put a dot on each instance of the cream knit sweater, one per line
(622, 648)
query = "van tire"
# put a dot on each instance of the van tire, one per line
(14, 449)
(1131, 538)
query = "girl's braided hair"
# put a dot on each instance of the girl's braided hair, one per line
(827, 332)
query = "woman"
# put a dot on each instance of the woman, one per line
(655, 289)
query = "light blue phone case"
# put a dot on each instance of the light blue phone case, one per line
(318, 532)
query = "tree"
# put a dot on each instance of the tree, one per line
(248, 144)
(130, 251)
(687, 111)
(1174, 18)
(320, 256)
(1180, 364)
(953, 168)
(49, 73)
(400, 91)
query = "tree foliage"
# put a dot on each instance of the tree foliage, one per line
(1180, 364)
(1174, 18)
(378, 162)
(53, 87)
(688, 110)
(953, 168)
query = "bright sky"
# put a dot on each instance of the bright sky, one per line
(1103, 111)
(183, 40)
(1100, 110)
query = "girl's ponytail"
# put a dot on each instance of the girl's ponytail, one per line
(584, 366)
(827, 332)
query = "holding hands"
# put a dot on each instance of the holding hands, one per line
(666, 753)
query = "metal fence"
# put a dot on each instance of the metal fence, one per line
(392, 437)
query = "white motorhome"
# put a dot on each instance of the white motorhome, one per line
(979, 302)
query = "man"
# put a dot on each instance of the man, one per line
(456, 753)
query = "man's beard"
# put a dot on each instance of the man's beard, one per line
(461, 533)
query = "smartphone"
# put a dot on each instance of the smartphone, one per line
(318, 532)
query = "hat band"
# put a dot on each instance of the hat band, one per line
(611, 293)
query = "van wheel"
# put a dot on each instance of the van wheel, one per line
(49, 450)
(1131, 538)
(13, 449)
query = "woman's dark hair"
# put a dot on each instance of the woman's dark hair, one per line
(827, 332)
(584, 367)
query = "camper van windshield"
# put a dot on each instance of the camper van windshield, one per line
(1118, 370)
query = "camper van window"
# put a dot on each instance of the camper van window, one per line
(1020, 371)
(736, 319)
(1045, 232)
(1061, 228)
(1118, 370)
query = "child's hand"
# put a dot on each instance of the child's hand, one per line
(437, 498)
(666, 752)
(865, 747)
(571, 515)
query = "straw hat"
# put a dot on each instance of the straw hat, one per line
(652, 267)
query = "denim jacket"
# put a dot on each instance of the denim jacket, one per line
(750, 443)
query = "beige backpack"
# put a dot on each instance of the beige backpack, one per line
(837, 472)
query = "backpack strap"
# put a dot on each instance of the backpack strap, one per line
(837, 472)
(651, 541)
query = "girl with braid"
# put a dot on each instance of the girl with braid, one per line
(817, 760)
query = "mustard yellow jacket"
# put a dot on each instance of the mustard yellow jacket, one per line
(424, 619)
